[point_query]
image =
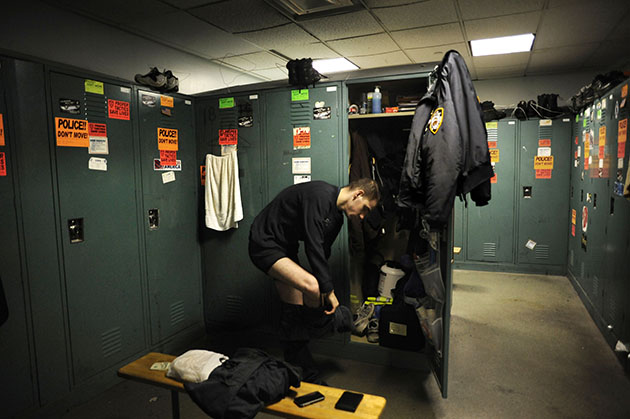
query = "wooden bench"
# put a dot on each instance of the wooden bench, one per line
(371, 406)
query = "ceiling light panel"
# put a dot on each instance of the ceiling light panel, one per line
(502, 45)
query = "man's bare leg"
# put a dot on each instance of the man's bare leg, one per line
(295, 284)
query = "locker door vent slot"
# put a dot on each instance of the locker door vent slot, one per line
(95, 107)
(595, 285)
(493, 134)
(111, 342)
(542, 251)
(177, 312)
(234, 310)
(228, 119)
(545, 132)
(301, 113)
(490, 250)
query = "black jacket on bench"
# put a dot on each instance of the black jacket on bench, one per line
(243, 385)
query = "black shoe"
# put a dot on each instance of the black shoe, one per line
(153, 79)
(172, 82)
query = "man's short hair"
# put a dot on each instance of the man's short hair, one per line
(369, 187)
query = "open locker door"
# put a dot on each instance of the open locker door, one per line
(438, 357)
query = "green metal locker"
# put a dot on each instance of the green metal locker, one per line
(543, 192)
(17, 387)
(236, 293)
(170, 217)
(490, 229)
(574, 227)
(459, 231)
(98, 213)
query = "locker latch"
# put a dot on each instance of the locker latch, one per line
(527, 191)
(154, 219)
(75, 230)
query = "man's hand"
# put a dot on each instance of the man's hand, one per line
(330, 299)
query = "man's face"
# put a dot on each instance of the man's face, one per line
(359, 205)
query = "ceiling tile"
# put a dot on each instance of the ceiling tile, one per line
(613, 55)
(435, 54)
(119, 11)
(562, 58)
(477, 9)
(364, 45)
(427, 13)
(500, 72)
(381, 60)
(192, 34)
(276, 37)
(375, 4)
(314, 51)
(187, 4)
(503, 60)
(425, 37)
(273, 73)
(240, 15)
(343, 26)
(257, 61)
(502, 26)
(578, 23)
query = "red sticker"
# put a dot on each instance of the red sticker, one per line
(228, 137)
(97, 130)
(118, 109)
(544, 143)
(168, 157)
(3, 165)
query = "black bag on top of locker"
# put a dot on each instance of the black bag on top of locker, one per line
(398, 324)
(302, 73)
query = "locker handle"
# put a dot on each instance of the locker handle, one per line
(75, 230)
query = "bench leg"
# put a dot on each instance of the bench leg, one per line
(175, 404)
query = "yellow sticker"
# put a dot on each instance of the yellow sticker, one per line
(573, 216)
(543, 162)
(494, 155)
(93, 86)
(166, 101)
(437, 116)
(492, 125)
(72, 132)
(602, 135)
(167, 139)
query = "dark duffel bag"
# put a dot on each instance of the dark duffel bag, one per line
(398, 327)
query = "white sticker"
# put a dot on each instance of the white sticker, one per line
(601, 163)
(159, 167)
(98, 145)
(545, 122)
(620, 163)
(579, 151)
(530, 244)
(97, 163)
(168, 177)
(331, 89)
(511, 122)
(544, 151)
(610, 97)
(301, 179)
(590, 160)
(253, 97)
(320, 104)
(603, 103)
(125, 90)
(566, 119)
(301, 165)
(587, 112)
(187, 102)
(575, 163)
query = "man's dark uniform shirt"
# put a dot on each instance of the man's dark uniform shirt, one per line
(304, 212)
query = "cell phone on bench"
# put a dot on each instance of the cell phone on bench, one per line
(309, 398)
(349, 401)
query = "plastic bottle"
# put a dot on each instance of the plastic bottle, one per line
(376, 100)
(369, 102)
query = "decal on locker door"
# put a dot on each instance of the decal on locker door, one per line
(3, 164)
(228, 137)
(168, 157)
(98, 138)
(301, 138)
(71, 106)
(166, 101)
(118, 109)
(93, 86)
(72, 132)
(622, 134)
(1, 130)
(159, 167)
(167, 139)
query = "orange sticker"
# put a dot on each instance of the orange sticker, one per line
(492, 144)
(622, 131)
(228, 137)
(97, 130)
(118, 109)
(543, 173)
(544, 143)
(3, 164)
(493, 179)
(601, 152)
(621, 150)
(1, 130)
(301, 137)
(543, 162)
(573, 216)
(602, 136)
(167, 139)
(168, 158)
(573, 230)
(72, 132)
(166, 101)
(494, 155)
(202, 173)
(624, 91)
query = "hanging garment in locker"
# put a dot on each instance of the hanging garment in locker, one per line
(447, 153)
(224, 208)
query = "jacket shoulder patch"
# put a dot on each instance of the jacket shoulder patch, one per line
(435, 122)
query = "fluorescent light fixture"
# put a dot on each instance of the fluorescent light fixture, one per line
(502, 45)
(333, 65)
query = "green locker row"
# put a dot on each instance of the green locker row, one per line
(523, 230)
(599, 239)
(100, 258)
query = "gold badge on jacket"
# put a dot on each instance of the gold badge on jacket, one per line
(437, 116)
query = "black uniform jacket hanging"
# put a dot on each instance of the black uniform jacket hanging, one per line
(447, 153)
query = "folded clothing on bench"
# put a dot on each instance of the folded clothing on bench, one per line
(195, 365)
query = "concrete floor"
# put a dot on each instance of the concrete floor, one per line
(522, 346)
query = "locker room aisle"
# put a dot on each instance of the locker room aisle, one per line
(522, 346)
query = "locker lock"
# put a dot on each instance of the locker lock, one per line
(75, 230)
(154, 219)
(527, 191)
